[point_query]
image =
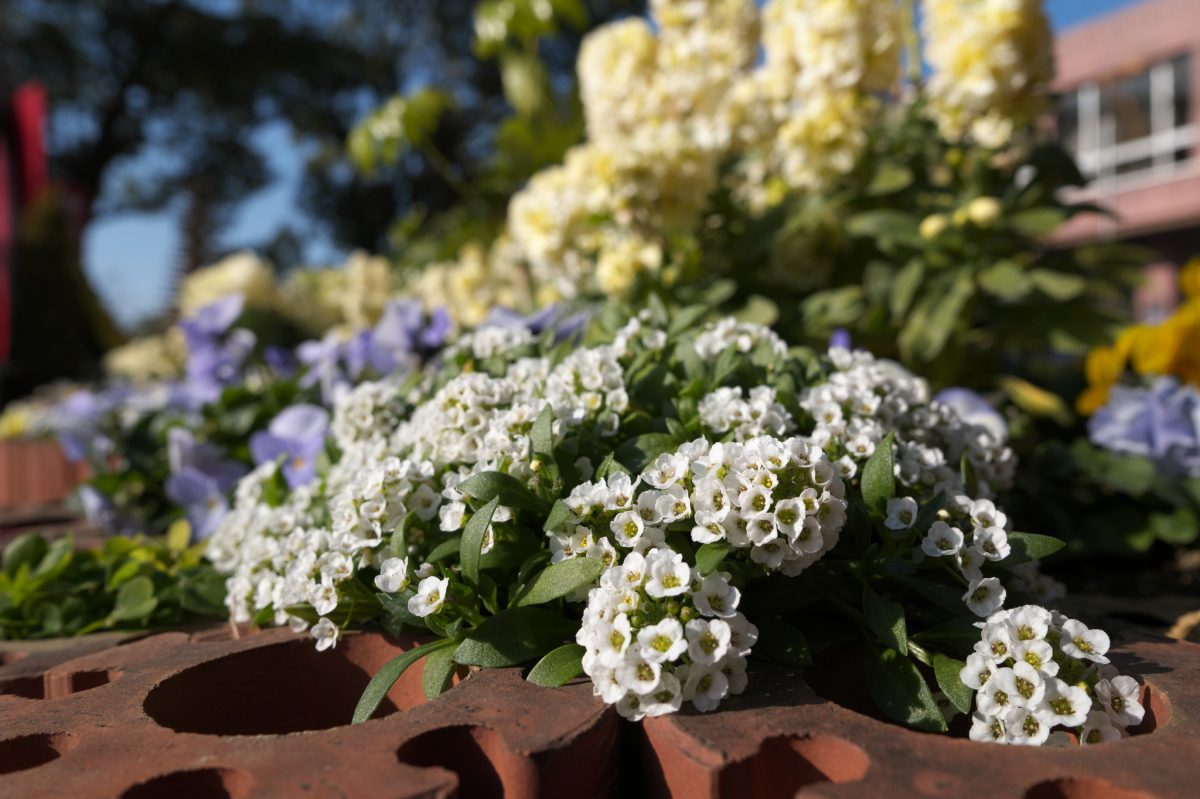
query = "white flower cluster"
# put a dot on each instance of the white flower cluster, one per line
(728, 409)
(368, 412)
(1035, 670)
(728, 333)
(864, 399)
(280, 556)
(992, 61)
(491, 341)
(781, 500)
(658, 634)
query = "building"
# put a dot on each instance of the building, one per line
(1129, 110)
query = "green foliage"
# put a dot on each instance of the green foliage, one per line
(56, 589)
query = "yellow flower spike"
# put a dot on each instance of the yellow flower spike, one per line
(1036, 400)
(1189, 277)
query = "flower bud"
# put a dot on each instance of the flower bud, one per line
(984, 211)
(932, 226)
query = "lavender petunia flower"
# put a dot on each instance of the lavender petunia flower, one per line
(972, 408)
(1161, 422)
(841, 338)
(215, 354)
(296, 434)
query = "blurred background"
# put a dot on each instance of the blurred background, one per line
(143, 139)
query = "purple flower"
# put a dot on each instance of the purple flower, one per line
(973, 409)
(184, 453)
(203, 502)
(1161, 423)
(78, 421)
(840, 338)
(549, 318)
(98, 509)
(215, 354)
(296, 434)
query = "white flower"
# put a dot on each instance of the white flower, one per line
(987, 728)
(613, 640)
(667, 574)
(393, 575)
(901, 513)
(627, 527)
(716, 597)
(430, 596)
(1065, 704)
(1024, 685)
(1038, 654)
(662, 642)
(705, 686)
(1120, 696)
(986, 595)
(992, 542)
(708, 640)
(1030, 622)
(666, 698)
(326, 633)
(1024, 726)
(942, 540)
(639, 675)
(1097, 729)
(977, 671)
(1084, 644)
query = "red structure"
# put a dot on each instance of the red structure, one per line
(1129, 110)
(24, 174)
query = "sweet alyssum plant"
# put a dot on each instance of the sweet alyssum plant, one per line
(651, 507)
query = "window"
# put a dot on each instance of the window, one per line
(1134, 124)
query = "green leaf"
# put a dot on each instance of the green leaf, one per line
(558, 667)
(1059, 286)
(782, 643)
(509, 490)
(956, 635)
(946, 671)
(686, 319)
(1037, 221)
(558, 516)
(885, 617)
(883, 223)
(514, 637)
(1178, 528)
(560, 579)
(439, 668)
(709, 556)
(135, 600)
(890, 178)
(1030, 546)
(28, 549)
(1005, 280)
(472, 539)
(879, 478)
(386, 677)
(929, 511)
(637, 453)
(445, 549)
(541, 436)
(900, 692)
(970, 478)
(904, 287)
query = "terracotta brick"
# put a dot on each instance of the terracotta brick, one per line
(180, 714)
(201, 713)
(782, 737)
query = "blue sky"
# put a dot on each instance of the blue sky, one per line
(129, 257)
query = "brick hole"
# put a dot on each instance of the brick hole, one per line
(478, 756)
(1158, 710)
(8, 658)
(31, 751)
(1071, 788)
(205, 783)
(59, 684)
(24, 687)
(281, 688)
(785, 764)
